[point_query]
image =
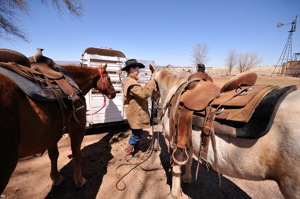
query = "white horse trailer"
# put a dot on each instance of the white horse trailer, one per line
(113, 111)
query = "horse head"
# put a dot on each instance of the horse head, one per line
(155, 95)
(104, 84)
(167, 81)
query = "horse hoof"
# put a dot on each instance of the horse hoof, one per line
(170, 196)
(59, 181)
(81, 184)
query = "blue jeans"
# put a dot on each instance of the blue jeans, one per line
(135, 136)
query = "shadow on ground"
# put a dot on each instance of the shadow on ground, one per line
(207, 184)
(94, 161)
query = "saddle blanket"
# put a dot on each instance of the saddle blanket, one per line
(33, 90)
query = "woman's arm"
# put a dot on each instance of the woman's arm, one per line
(142, 92)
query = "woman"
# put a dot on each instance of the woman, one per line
(136, 105)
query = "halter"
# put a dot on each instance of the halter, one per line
(110, 92)
(103, 83)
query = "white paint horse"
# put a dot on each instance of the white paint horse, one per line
(274, 156)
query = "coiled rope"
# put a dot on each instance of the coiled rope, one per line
(149, 151)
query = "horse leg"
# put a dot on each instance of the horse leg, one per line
(176, 175)
(9, 145)
(76, 134)
(289, 187)
(187, 177)
(9, 160)
(53, 154)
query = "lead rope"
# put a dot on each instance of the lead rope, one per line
(149, 150)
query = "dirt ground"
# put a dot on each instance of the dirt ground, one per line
(103, 166)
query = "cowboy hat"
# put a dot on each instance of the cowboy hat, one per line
(132, 63)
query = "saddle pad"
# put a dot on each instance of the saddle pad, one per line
(264, 114)
(33, 90)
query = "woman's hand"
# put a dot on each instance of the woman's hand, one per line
(152, 80)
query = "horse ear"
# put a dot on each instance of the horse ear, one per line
(167, 66)
(151, 68)
(105, 66)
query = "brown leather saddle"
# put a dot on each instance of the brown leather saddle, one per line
(39, 69)
(42, 72)
(235, 101)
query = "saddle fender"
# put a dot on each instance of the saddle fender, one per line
(184, 137)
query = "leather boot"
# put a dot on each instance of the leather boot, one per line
(128, 155)
(137, 152)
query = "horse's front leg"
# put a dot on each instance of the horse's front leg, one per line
(76, 134)
(53, 154)
(176, 174)
(187, 177)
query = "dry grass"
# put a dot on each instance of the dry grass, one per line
(266, 75)
(276, 81)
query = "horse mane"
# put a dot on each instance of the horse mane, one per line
(75, 67)
(78, 71)
(168, 81)
(172, 77)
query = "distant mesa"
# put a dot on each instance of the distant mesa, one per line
(67, 62)
(156, 65)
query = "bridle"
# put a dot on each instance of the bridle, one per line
(103, 83)
(110, 92)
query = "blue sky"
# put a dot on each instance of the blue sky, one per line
(163, 31)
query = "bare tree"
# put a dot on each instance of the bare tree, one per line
(247, 61)
(200, 54)
(231, 60)
(254, 60)
(9, 8)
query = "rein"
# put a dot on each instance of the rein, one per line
(103, 105)
(110, 92)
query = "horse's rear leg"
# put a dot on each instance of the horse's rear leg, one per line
(56, 178)
(76, 134)
(9, 160)
(9, 146)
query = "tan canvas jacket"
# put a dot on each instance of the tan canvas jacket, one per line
(135, 102)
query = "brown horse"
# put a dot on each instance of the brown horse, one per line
(30, 127)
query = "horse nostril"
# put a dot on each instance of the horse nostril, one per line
(112, 95)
